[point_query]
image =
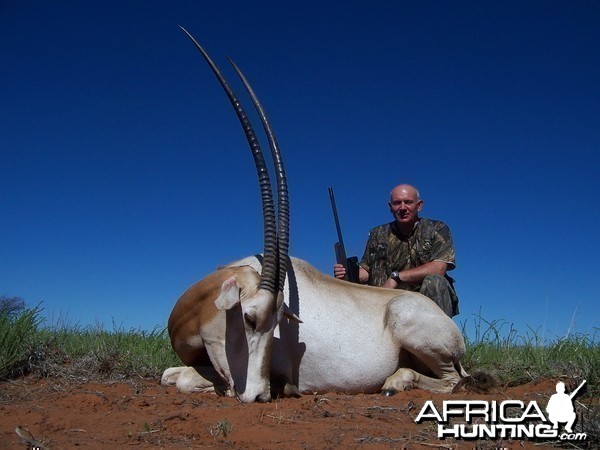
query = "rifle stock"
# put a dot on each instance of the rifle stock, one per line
(350, 264)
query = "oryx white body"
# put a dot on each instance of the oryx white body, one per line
(352, 339)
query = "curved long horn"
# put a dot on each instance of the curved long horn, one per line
(283, 203)
(269, 268)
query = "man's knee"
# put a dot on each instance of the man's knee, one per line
(435, 282)
(439, 289)
(435, 285)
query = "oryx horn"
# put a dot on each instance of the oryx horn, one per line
(269, 275)
(283, 204)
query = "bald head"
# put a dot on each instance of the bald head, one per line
(405, 205)
(406, 189)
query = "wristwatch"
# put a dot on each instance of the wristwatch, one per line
(396, 277)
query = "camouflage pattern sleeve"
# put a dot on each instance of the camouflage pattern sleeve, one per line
(375, 259)
(367, 259)
(442, 248)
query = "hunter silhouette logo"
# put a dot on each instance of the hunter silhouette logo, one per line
(512, 419)
(560, 407)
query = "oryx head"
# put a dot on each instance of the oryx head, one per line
(252, 303)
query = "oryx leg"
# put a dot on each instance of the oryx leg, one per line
(433, 341)
(406, 378)
(189, 379)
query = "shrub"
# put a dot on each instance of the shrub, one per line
(18, 336)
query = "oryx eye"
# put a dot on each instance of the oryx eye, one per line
(251, 321)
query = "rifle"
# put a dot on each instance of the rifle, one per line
(350, 264)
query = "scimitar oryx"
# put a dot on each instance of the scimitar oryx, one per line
(238, 330)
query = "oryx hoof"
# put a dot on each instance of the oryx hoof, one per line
(389, 392)
(291, 391)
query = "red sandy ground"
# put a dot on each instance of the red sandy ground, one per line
(143, 414)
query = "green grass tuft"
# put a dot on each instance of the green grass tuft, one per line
(85, 353)
(518, 359)
(18, 336)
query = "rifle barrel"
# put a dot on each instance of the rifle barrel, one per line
(335, 217)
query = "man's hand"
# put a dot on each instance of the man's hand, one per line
(390, 283)
(339, 271)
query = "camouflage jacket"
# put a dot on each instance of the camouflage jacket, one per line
(388, 251)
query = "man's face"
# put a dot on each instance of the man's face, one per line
(405, 205)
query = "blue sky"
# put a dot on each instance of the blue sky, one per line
(126, 176)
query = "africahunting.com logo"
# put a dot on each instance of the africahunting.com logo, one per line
(508, 419)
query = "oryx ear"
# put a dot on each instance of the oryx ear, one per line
(229, 296)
